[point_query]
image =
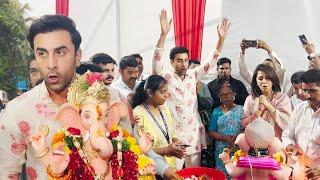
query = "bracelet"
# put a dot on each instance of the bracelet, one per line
(62, 176)
(224, 163)
(43, 154)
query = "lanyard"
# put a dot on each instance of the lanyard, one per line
(164, 132)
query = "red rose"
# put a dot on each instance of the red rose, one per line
(93, 77)
(74, 131)
(114, 134)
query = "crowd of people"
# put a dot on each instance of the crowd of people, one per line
(190, 122)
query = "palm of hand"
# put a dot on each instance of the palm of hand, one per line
(145, 142)
(165, 24)
(59, 160)
(223, 28)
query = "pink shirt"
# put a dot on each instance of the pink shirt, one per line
(280, 102)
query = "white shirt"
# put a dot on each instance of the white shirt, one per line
(295, 101)
(304, 131)
(123, 88)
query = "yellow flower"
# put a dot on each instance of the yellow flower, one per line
(131, 140)
(66, 150)
(135, 149)
(125, 133)
(143, 161)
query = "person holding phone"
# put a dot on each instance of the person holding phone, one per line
(155, 118)
(314, 59)
(274, 61)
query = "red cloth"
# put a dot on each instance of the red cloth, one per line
(188, 18)
(62, 7)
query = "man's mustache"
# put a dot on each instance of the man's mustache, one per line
(109, 77)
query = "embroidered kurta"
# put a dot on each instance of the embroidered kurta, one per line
(19, 122)
(280, 102)
(150, 126)
(182, 100)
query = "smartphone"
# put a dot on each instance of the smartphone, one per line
(303, 39)
(251, 43)
(184, 145)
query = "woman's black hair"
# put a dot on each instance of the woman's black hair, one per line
(153, 83)
(271, 73)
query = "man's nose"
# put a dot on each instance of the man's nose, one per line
(52, 62)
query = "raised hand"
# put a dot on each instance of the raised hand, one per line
(223, 28)
(309, 48)
(225, 155)
(145, 142)
(165, 24)
(243, 45)
(99, 140)
(263, 45)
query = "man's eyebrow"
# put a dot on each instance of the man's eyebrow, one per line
(41, 49)
(61, 47)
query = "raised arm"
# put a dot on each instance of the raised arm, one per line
(157, 64)
(312, 56)
(222, 29)
(243, 69)
(275, 59)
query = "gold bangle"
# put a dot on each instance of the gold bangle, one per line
(43, 154)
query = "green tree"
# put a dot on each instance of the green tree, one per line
(14, 47)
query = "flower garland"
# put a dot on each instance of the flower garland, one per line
(71, 138)
(127, 159)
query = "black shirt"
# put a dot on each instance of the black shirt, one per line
(237, 86)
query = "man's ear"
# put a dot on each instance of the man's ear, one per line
(171, 61)
(78, 57)
(120, 71)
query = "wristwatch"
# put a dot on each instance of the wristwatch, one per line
(312, 55)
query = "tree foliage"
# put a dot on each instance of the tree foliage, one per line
(14, 47)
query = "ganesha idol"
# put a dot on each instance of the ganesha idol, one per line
(261, 155)
(84, 148)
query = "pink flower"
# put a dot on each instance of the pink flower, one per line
(24, 128)
(206, 68)
(93, 77)
(74, 131)
(32, 173)
(18, 147)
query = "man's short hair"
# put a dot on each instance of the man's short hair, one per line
(85, 66)
(311, 76)
(296, 77)
(193, 61)
(128, 61)
(178, 50)
(137, 56)
(50, 23)
(102, 58)
(223, 61)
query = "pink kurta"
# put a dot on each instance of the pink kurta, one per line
(182, 100)
(280, 102)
